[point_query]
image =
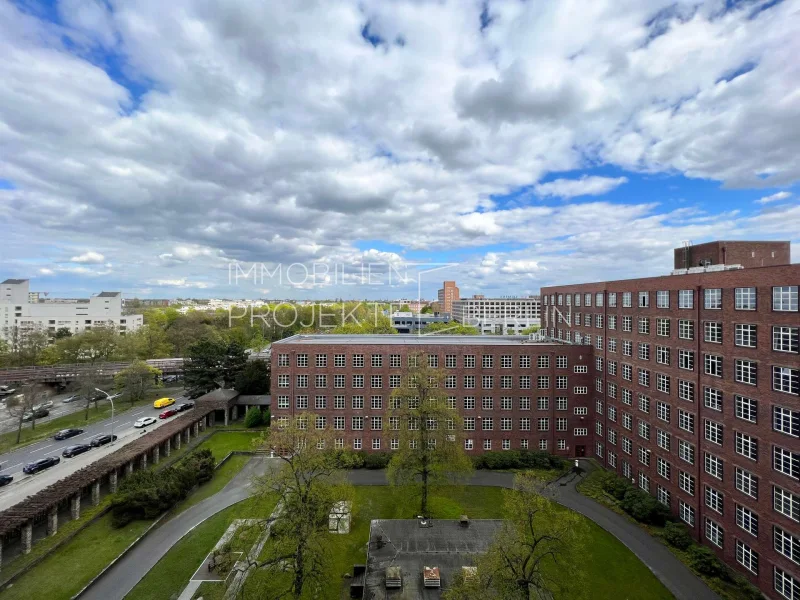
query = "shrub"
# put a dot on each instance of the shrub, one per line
(348, 459)
(253, 417)
(517, 459)
(616, 486)
(147, 494)
(677, 535)
(375, 460)
(644, 508)
(704, 561)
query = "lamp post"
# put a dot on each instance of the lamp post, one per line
(110, 399)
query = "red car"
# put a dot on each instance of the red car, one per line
(168, 413)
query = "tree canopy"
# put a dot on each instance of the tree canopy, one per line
(451, 328)
(213, 364)
(254, 378)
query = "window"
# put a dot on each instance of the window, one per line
(488, 424)
(580, 410)
(644, 377)
(543, 382)
(786, 420)
(506, 403)
(561, 362)
(746, 372)
(713, 465)
(357, 444)
(662, 383)
(627, 396)
(662, 327)
(785, 339)
(487, 403)
(581, 369)
(746, 557)
(662, 299)
(338, 382)
(487, 361)
(626, 299)
(713, 431)
(543, 362)
(627, 421)
(712, 299)
(377, 361)
(587, 299)
(561, 444)
(786, 462)
(662, 411)
(357, 423)
(561, 424)
(358, 360)
(712, 398)
(506, 382)
(612, 413)
(644, 481)
(627, 324)
(338, 402)
(747, 520)
(612, 321)
(302, 381)
(685, 329)
(713, 365)
(358, 381)
(469, 361)
(524, 424)
(505, 424)
(542, 403)
(784, 298)
(745, 298)
(283, 381)
(786, 379)
(581, 431)
(714, 532)
(322, 360)
(598, 299)
(686, 512)
(394, 361)
(412, 360)
(644, 351)
(377, 423)
(644, 299)
(320, 403)
(283, 360)
(612, 299)
(746, 409)
(524, 403)
(376, 402)
(644, 325)
(644, 429)
(747, 482)
(525, 382)
(433, 361)
(357, 402)
(561, 382)
(469, 423)
(786, 585)
(376, 381)
(686, 421)
(786, 503)
(686, 482)
(746, 445)
(663, 496)
(450, 361)
(686, 299)
(543, 424)
(283, 401)
(302, 360)
(686, 451)
(525, 362)
(712, 332)
(587, 320)
(469, 382)
(664, 468)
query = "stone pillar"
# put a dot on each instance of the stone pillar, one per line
(186, 436)
(227, 410)
(75, 506)
(202, 423)
(1, 552)
(178, 442)
(196, 427)
(236, 412)
(212, 419)
(52, 521)
(27, 537)
(129, 468)
(144, 460)
(156, 456)
(167, 447)
(112, 481)
(96, 492)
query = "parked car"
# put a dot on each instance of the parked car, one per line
(5, 390)
(168, 413)
(42, 406)
(102, 440)
(71, 451)
(163, 402)
(65, 434)
(144, 422)
(185, 406)
(73, 398)
(36, 414)
(169, 379)
(194, 394)
(40, 465)
(5, 480)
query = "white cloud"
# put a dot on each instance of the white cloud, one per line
(89, 257)
(585, 186)
(180, 283)
(46, 271)
(773, 198)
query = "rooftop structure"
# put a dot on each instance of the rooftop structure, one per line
(447, 295)
(408, 322)
(389, 339)
(740, 254)
(498, 315)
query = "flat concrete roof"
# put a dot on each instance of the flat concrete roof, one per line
(446, 545)
(394, 339)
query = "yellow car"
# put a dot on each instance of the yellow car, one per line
(163, 402)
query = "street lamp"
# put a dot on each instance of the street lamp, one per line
(110, 399)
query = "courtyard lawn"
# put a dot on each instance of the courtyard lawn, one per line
(224, 442)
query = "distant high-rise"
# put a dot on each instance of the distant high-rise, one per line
(447, 295)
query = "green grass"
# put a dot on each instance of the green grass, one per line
(168, 578)
(221, 478)
(8, 441)
(224, 442)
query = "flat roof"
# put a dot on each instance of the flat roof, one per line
(108, 294)
(526, 298)
(401, 339)
(15, 281)
(446, 545)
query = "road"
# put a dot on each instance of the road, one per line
(115, 583)
(25, 485)
(9, 423)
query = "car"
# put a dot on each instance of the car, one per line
(6, 391)
(185, 406)
(40, 465)
(168, 413)
(73, 398)
(194, 394)
(5, 480)
(163, 402)
(169, 379)
(71, 451)
(42, 406)
(101, 440)
(37, 414)
(144, 422)
(65, 434)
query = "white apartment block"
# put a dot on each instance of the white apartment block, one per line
(498, 315)
(26, 310)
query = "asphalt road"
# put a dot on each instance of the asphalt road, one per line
(25, 485)
(9, 422)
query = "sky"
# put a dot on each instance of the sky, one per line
(371, 149)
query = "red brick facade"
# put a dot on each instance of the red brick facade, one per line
(710, 436)
(534, 395)
(746, 254)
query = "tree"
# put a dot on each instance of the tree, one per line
(254, 378)
(426, 310)
(137, 380)
(431, 447)
(405, 308)
(308, 482)
(451, 328)
(213, 363)
(531, 329)
(253, 417)
(25, 345)
(20, 404)
(63, 332)
(535, 555)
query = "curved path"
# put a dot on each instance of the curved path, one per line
(126, 573)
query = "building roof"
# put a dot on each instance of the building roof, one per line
(108, 294)
(523, 299)
(15, 281)
(414, 340)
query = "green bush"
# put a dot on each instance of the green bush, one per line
(253, 417)
(348, 459)
(616, 486)
(644, 508)
(146, 494)
(677, 535)
(704, 561)
(375, 460)
(517, 459)
(266, 418)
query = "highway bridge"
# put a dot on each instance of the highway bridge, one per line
(67, 373)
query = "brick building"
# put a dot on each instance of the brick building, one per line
(695, 383)
(512, 392)
(447, 295)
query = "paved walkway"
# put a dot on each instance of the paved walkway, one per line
(127, 572)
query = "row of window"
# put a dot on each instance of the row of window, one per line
(469, 361)
(469, 444)
(784, 298)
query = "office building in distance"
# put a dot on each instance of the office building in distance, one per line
(498, 315)
(447, 295)
(695, 383)
(22, 310)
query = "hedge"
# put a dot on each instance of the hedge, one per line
(517, 459)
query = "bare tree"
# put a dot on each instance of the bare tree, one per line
(21, 404)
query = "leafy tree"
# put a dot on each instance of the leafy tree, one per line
(677, 535)
(531, 329)
(253, 417)
(426, 310)
(87, 388)
(308, 483)
(22, 403)
(537, 544)
(451, 328)
(63, 332)
(405, 308)
(25, 346)
(137, 380)
(254, 378)
(213, 363)
(431, 451)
